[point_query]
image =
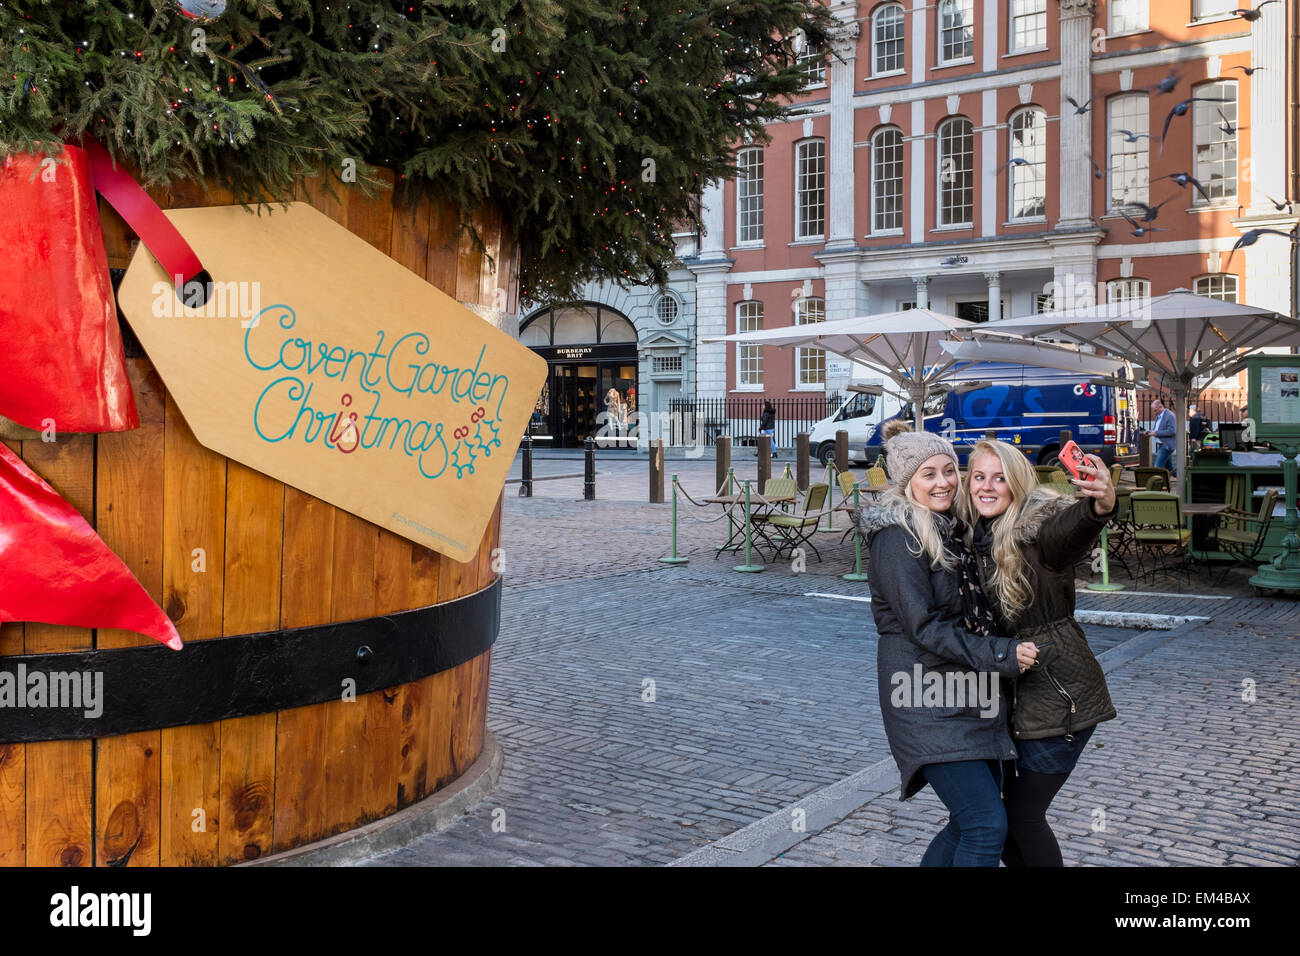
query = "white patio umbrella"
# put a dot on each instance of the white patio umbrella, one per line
(920, 349)
(1178, 337)
(903, 346)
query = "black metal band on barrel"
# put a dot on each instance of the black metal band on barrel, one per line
(144, 688)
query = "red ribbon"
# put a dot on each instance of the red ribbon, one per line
(142, 214)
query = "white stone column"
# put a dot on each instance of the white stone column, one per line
(919, 170)
(988, 160)
(843, 65)
(1268, 106)
(711, 319)
(1075, 129)
(712, 219)
(922, 291)
(994, 280)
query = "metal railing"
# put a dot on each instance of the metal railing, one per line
(738, 415)
(1216, 405)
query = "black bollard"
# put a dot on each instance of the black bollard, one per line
(589, 472)
(841, 451)
(722, 446)
(801, 456)
(764, 448)
(526, 475)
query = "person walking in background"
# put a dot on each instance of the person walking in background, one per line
(767, 424)
(1164, 432)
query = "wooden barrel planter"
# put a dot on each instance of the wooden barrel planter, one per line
(228, 551)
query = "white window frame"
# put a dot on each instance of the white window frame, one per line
(1219, 285)
(1028, 20)
(945, 211)
(749, 358)
(1210, 140)
(1128, 16)
(1214, 9)
(951, 31)
(1127, 290)
(662, 303)
(1118, 151)
(809, 189)
(897, 20)
(1023, 179)
(809, 309)
(895, 162)
(749, 196)
(813, 63)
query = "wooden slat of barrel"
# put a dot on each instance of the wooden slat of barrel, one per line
(58, 772)
(194, 598)
(13, 757)
(129, 506)
(254, 540)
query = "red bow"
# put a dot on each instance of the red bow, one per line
(55, 569)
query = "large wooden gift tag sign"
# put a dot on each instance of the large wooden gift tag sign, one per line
(322, 362)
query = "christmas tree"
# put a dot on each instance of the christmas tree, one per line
(593, 124)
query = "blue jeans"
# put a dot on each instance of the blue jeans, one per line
(977, 822)
(771, 434)
(1165, 459)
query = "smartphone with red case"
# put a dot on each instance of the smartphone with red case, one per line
(1072, 457)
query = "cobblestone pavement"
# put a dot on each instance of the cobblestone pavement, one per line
(763, 695)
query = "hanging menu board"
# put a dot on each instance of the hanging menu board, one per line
(1279, 394)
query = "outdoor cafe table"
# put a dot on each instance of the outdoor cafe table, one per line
(758, 504)
(1204, 515)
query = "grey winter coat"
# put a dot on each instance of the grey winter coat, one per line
(918, 613)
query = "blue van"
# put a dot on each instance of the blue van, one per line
(1029, 407)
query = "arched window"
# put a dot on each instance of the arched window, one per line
(887, 39)
(1028, 143)
(887, 179)
(956, 30)
(810, 189)
(749, 358)
(1218, 286)
(809, 364)
(956, 169)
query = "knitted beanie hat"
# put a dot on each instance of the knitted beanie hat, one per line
(908, 450)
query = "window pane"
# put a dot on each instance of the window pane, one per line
(1029, 181)
(813, 62)
(956, 30)
(810, 190)
(1130, 162)
(809, 364)
(1128, 16)
(1203, 9)
(956, 172)
(888, 38)
(749, 358)
(1126, 290)
(749, 191)
(1028, 24)
(887, 180)
(1216, 148)
(1218, 287)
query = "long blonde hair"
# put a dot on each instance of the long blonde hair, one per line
(1011, 581)
(922, 523)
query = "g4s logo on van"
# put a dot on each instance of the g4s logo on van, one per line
(1085, 388)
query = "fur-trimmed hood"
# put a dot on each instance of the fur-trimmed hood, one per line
(1042, 504)
(873, 518)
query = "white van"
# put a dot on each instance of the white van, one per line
(866, 407)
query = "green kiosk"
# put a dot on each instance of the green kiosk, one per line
(1255, 482)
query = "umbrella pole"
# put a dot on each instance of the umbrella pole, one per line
(918, 407)
(1180, 441)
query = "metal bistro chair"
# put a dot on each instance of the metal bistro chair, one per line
(1244, 542)
(797, 529)
(876, 477)
(775, 488)
(1143, 476)
(1046, 473)
(847, 483)
(1157, 518)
